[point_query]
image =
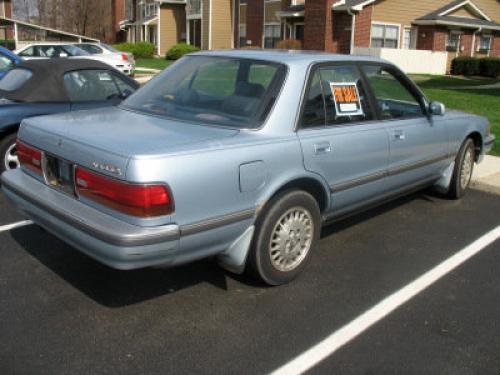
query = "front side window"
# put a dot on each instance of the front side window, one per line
(5, 63)
(393, 97)
(272, 35)
(230, 92)
(384, 36)
(91, 85)
(336, 96)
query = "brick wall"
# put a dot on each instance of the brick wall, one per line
(495, 45)
(363, 27)
(255, 22)
(318, 31)
(434, 39)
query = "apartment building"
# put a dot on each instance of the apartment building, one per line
(461, 28)
(207, 24)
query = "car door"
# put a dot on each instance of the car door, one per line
(94, 88)
(341, 139)
(418, 144)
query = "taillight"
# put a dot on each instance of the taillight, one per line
(131, 199)
(124, 57)
(29, 157)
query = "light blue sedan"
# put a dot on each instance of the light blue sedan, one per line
(242, 155)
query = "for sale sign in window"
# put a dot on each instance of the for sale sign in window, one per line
(346, 98)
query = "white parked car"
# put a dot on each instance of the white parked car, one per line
(48, 50)
(127, 65)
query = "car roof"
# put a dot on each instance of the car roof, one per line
(288, 57)
(47, 81)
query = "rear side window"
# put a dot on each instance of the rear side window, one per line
(90, 48)
(394, 99)
(336, 96)
(91, 85)
(15, 79)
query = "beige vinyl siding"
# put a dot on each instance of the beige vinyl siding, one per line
(172, 26)
(404, 12)
(222, 28)
(205, 24)
(462, 12)
(271, 9)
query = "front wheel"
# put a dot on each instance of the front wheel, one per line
(286, 234)
(8, 153)
(462, 172)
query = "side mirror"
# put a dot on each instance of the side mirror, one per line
(126, 93)
(437, 109)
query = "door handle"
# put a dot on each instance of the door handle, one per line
(399, 135)
(322, 148)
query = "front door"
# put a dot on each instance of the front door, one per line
(418, 144)
(195, 32)
(341, 141)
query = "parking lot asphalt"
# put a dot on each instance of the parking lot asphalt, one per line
(61, 312)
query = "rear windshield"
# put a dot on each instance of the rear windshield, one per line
(108, 47)
(224, 91)
(15, 79)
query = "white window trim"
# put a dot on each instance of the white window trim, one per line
(413, 43)
(386, 24)
(490, 36)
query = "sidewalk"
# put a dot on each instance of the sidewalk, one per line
(486, 175)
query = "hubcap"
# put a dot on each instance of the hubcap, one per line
(467, 166)
(291, 239)
(11, 160)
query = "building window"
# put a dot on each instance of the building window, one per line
(385, 36)
(272, 35)
(453, 40)
(409, 38)
(243, 35)
(485, 42)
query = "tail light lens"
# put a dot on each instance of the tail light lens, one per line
(124, 57)
(29, 157)
(130, 199)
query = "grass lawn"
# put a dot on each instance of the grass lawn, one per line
(153, 63)
(484, 102)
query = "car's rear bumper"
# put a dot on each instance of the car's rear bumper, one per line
(110, 241)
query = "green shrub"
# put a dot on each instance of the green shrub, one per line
(179, 50)
(490, 67)
(468, 66)
(141, 50)
(8, 43)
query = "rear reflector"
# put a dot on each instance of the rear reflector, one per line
(124, 57)
(29, 157)
(130, 199)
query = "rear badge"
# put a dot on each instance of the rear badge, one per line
(107, 168)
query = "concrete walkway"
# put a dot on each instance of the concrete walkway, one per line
(480, 87)
(486, 175)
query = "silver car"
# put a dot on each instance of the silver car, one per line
(242, 155)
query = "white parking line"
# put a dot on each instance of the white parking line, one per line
(339, 338)
(19, 224)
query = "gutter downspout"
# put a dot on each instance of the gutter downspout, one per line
(473, 48)
(353, 30)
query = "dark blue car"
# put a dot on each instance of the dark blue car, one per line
(43, 87)
(8, 60)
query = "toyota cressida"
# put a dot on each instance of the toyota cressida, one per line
(242, 155)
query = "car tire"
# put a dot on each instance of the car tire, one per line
(286, 233)
(8, 153)
(462, 172)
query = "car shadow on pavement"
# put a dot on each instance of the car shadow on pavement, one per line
(114, 289)
(109, 287)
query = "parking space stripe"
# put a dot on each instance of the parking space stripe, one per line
(339, 338)
(19, 224)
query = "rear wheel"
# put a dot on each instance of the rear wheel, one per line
(462, 172)
(8, 153)
(286, 234)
